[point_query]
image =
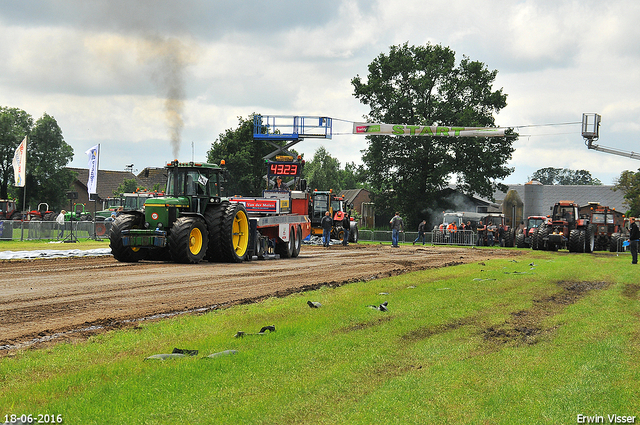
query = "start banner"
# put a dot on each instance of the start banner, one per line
(423, 130)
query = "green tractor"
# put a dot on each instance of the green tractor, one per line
(192, 222)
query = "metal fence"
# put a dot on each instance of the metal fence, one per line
(462, 237)
(50, 230)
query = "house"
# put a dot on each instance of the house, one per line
(361, 202)
(108, 181)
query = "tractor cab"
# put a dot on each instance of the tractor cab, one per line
(193, 184)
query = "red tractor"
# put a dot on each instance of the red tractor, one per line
(524, 238)
(43, 213)
(565, 229)
(8, 210)
(608, 225)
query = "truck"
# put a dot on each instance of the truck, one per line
(323, 201)
(194, 221)
(443, 232)
(524, 236)
(565, 228)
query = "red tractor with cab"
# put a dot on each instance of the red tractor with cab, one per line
(565, 229)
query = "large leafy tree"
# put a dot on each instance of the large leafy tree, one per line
(421, 85)
(243, 157)
(323, 171)
(48, 154)
(629, 184)
(551, 176)
(15, 124)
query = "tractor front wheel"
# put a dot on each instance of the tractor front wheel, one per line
(188, 240)
(122, 253)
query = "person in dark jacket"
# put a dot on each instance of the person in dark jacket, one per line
(346, 226)
(421, 233)
(634, 238)
(326, 223)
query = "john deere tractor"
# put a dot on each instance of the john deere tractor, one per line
(192, 222)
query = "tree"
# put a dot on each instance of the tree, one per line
(421, 85)
(629, 183)
(564, 176)
(127, 186)
(14, 125)
(47, 156)
(322, 172)
(243, 157)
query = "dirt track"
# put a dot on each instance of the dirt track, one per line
(60, 299)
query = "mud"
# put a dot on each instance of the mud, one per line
(45, 301)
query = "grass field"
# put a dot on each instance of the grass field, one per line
(539, 340)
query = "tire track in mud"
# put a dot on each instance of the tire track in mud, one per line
(87, 295)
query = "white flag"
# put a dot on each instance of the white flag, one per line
(20, 163)
(92, 183)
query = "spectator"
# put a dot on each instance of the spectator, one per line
(346, 226)
(60, 221)
(421, 233)
(327, 224)
(634, 238)
(397, 226)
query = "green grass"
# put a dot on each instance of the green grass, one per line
(492, 342)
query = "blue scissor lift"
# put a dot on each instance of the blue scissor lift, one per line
(289, 128)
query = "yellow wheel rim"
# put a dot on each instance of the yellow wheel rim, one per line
(240, 233)
(195, 241)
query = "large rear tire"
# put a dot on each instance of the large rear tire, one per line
(353, 234)
(188, 240)
(229, 232)
(120, 252)
(590, 235)
(574, 241)
(520, 243)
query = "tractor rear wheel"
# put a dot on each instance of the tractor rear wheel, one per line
(122, 253)
(613, 243)
(574, 241)
(590, 235)
(188, 240)
(353, 234)
(229, 232)
(520, 243)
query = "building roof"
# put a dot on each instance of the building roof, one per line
(108, 180)
(580, 194)
(351, 194)
(152, 176)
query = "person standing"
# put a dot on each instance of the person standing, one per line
(397, 226)
(60, 221)
(634, 238)
(346, 226)
(421, 233)
(326, 223)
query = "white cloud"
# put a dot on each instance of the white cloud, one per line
(85, 64)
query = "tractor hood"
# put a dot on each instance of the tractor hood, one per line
(180, 202)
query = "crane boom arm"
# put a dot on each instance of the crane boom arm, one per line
(628, 154)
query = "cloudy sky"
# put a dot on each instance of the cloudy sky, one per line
(105, 69)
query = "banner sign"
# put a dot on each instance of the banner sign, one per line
(92, 182)
(422, 130)
(20, 163)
